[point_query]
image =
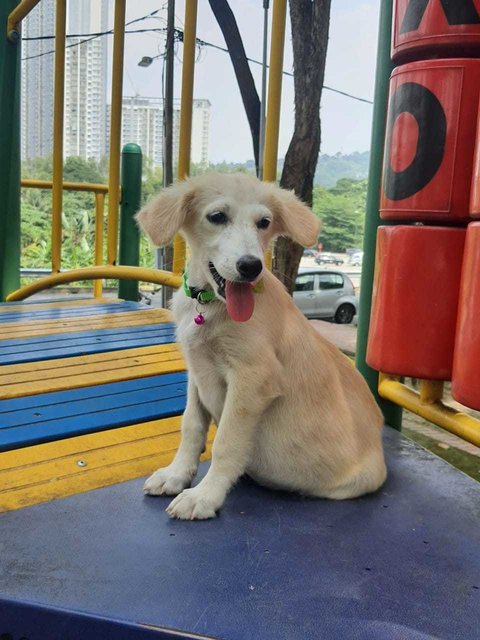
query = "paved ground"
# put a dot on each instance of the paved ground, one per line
(343, 335)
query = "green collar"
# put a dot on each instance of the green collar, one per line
(201, 295)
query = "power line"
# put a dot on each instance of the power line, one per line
(88, 36)
(285, 73)
(179, 38)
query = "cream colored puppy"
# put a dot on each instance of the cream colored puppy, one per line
(291, 410)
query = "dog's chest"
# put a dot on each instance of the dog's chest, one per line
(206, 360)
(202, 348)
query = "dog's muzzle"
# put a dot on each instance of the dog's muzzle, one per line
(249, 267)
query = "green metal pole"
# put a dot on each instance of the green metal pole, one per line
(129, 233)
(391, 411)
(10, 156)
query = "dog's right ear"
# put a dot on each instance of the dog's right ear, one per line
(164, 216)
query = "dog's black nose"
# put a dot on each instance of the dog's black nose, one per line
(249, 267)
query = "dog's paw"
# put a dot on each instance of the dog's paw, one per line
(192, 504)
(166, 482)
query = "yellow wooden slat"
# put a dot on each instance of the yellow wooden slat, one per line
(50, 471)
(45, 306)
(30, 328)
(31, 378)
(115, 445)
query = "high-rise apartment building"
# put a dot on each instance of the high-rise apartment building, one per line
(85, 81)
(200, 130)
(142, 123)
(37, 81)
(86, 114)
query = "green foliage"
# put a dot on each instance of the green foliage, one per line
(78, 215)
(342, 212)
(341, 209)
(38, 168)
(152, 181)
(330, 169)
(79, 170)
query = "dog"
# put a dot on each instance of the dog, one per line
(291, 411)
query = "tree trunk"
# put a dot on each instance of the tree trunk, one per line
(251, 101)
(310, 25)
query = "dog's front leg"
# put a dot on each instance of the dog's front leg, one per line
(248, 396)
(173, 479)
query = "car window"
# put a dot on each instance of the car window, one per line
(331, 281)
(304, 283)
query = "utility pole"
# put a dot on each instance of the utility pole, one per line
(263, 103)
(165, 259)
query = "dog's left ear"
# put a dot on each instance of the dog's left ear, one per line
(163, 217)
(293, 218)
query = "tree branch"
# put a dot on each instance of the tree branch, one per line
(251, 101)
(310, 25)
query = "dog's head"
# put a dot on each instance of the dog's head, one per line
(228, 221)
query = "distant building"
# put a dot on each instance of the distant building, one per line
(37, 82)
(142, 123)
(200, 131)
(85, 81)
(86, 117)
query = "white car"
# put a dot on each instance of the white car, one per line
(356, 259)
(326, 294)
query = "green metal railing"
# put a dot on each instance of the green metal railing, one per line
(391, 411)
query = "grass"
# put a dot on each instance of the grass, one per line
(466, 462)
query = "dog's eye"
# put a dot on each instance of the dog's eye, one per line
(264, 223)
(218, 217)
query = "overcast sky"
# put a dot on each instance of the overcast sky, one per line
(350, 67)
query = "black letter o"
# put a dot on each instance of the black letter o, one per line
(425, 107)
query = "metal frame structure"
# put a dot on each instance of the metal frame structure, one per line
(390, 391)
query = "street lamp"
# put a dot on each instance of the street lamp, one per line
(146, 61)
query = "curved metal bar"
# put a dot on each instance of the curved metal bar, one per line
(17, 15)
(155, 276)
(431, 408)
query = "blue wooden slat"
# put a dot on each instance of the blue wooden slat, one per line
(46, 301)
(58, 397)
(69, 312)
(35, 343)
(85, 342)
(66, 413)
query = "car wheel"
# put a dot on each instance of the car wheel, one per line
(345, 314)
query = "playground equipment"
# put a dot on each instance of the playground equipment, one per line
(91, 391)
(429, 176)
(415, 303)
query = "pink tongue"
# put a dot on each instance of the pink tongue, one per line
(240, 300)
